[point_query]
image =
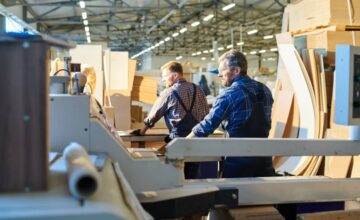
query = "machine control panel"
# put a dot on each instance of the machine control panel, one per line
(347, 85)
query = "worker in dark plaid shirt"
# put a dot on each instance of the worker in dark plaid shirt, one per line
(183, 105)
(244, 110)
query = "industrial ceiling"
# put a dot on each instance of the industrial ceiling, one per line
(164, 27)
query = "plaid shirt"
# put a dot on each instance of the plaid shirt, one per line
(234, 107)
(168, 106)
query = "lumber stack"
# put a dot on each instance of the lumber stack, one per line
(144, 89)
(303, 98)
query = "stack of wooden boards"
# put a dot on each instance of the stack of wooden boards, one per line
(303, 97)
(145, 89)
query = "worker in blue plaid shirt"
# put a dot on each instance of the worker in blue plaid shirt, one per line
(244, 110)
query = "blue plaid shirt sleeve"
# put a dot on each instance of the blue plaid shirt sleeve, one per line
(218, 112)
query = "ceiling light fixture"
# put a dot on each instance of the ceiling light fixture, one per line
(262, 51)
(229, 46)
(196, 23)
(273, 49)
(254, 31)
(253, 52)
(267, 37)
(198, 53)
(86, 22)
(161, 42)
(87, 29)
(183, 30)
(203, 58)
(205, 51)
(84, 15)
(179, 58)
(240, 43)
(175, 34)
(229, 6)
(82, 4)
(88, 39)
(210, 16)
(220, 48)
(167, 38)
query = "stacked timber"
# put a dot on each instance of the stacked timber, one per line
(144, 89)
(303, 98)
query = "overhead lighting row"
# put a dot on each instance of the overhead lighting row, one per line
(85, 21)
(174, 35)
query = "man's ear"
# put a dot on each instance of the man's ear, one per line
(237, 71)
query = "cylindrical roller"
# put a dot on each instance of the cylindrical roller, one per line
(83, 178)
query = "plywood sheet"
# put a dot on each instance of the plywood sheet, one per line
(355, 169)
(92, 56)
(118, 74)
(300, 82)
(339, 166)
(281, 114)
(121, 104)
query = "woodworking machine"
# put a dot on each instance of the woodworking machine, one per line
(159, 181)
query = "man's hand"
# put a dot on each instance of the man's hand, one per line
(162, 149)
(136, 132)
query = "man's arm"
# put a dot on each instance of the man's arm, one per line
(212, 121)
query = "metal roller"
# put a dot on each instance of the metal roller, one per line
(83, 178)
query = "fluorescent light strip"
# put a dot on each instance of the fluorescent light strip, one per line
(86, 22)
(87, 33)
(82, 4)
(203, 58)
(273, 49)
(205, 51)
(196, 23)
(198, 53)
(229, 6)
(175, 34)
(262, 51)
(167, 38)
(88, 39)
(179, 58)
(87, 29)
(267, 37)
(210, 16)
(253, 52)
(229, 46)
(183, 30)
(254, 31)
(220, 48)
(240, 43)
(84, 15)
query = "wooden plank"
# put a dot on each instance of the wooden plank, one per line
(329, 39)
(24, 116)
(308, 15)
(339, 166)
(131, 71)
(332, 215)
(355, 169)
(281, 114)
(300, 82)
(292, 126)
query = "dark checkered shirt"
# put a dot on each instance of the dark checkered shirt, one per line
(234, 106)
(168, 106)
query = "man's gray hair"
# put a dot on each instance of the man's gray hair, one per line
(235, 59)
